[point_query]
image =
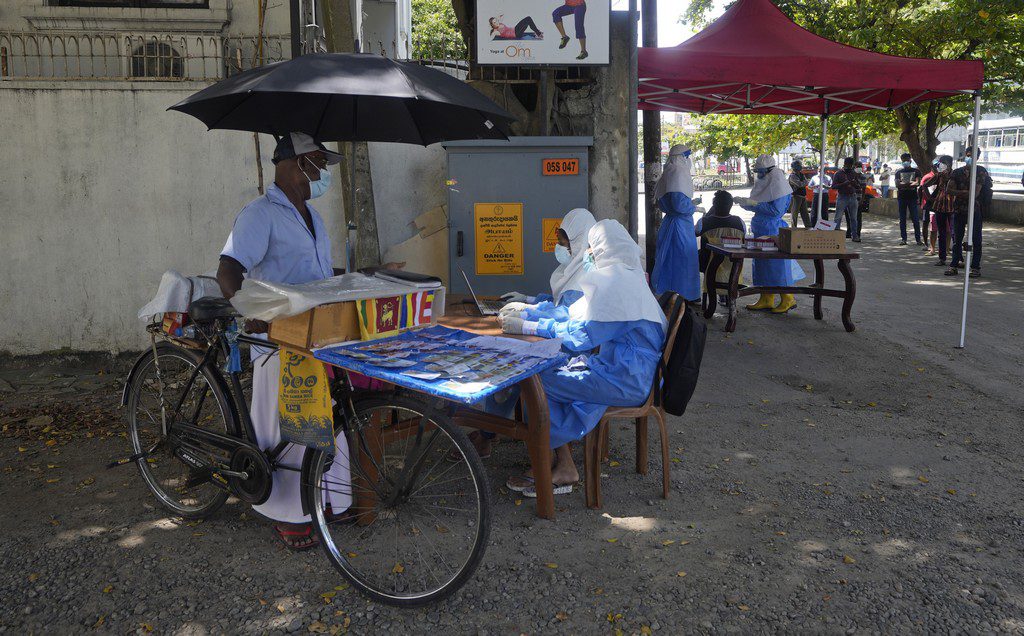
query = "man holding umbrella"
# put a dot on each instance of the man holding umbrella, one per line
(281, 238)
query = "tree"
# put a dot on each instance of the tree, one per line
(990, 30)
(435, 30)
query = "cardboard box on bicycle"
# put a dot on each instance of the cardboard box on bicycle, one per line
(805, 241)
(318, 327)
(332, 323)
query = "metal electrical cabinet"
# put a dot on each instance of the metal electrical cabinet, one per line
(505, 201)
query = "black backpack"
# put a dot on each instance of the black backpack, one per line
(679, 377)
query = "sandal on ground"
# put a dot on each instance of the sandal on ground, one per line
(975, 273)
(296, 538)
(940, 264)
(519, 483)
(558, 489)
(952, 271)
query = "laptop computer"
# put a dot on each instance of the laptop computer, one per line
(486, 307)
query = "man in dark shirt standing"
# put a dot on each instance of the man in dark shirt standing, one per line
(847, 185)
(798, 204)
(960, 187)
(908, 179)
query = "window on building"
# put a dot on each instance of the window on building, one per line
(157, 59)
(133, 4)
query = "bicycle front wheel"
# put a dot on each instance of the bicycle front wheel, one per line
(421, 502)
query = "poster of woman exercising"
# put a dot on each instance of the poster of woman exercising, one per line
(512, 32)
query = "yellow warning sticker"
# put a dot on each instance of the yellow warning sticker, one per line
(550, 233)
(499, 238)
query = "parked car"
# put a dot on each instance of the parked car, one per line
(869, 192)
(726, 168)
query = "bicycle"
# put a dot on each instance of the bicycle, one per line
(420, 511)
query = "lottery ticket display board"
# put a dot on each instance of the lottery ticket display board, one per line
(449, 363)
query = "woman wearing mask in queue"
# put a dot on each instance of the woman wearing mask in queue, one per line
(565, 288)
(769, 200)
(617, 313)
(943, 205)
(676, 265)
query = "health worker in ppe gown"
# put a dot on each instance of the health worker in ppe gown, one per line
(565, 287)
(676, 266)
(769, 200)
(617, 313)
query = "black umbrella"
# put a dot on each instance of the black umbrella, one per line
(350, 97)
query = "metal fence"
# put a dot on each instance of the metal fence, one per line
(69, 55)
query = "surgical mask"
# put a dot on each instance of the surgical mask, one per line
(967, 160)
(589, 264)
(318, 188)
(906, 164)
(562, 254)
(941, 167)
(858, 170)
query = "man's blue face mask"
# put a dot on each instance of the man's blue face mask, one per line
(562, 254)
(318, 188)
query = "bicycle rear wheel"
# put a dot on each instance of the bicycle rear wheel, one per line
(421, 511)
(150, 398)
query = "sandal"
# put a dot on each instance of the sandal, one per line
(952, 271)
(511, 484)
(975, 273)
(296, 539)
(558, 489)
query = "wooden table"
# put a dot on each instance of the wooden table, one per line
(466, 316)
(816, 289)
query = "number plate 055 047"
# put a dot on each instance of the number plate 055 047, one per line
(559, 167)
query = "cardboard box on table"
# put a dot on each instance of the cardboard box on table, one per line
(804, 241)
(330, 324)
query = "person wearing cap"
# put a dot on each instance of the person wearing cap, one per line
(281, 238)
(676, 265)
(848, 188)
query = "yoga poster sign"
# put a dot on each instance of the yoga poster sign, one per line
(543, 32)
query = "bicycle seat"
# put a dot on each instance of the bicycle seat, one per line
(210, 308)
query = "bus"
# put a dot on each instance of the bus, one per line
(1002, 148)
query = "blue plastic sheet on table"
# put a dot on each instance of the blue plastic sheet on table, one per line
(336, 356)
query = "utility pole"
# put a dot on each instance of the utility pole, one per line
(634, 159)
(356, 181)
(652, 139)
(296, 27)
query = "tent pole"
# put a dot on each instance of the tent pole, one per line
(634, 158)
(821, 161)
(971, 206)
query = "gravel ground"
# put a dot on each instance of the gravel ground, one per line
(822, 482)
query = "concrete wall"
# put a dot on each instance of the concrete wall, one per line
(103, 190)
(1003, 211)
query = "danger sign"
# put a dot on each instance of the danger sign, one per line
(550, 233)
(499, 238)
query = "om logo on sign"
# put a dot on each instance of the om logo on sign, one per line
(515, 51)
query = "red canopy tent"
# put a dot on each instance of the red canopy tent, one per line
(755, 60)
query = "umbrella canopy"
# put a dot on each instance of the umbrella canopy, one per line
(349, 97)
(755, 60)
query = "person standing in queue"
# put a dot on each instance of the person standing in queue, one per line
(281, 238)
(942, 205)
(769, 200)
(798, 204)
(676, 266)
(847, 185)
(908, 179)
(959, 185)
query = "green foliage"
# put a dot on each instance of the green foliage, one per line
(989, 30)
(435, 31)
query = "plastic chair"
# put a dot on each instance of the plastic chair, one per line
(596, 441)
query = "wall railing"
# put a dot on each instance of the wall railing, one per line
(161, 57)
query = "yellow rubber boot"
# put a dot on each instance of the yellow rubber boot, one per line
(786, 302)
(767, 301)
